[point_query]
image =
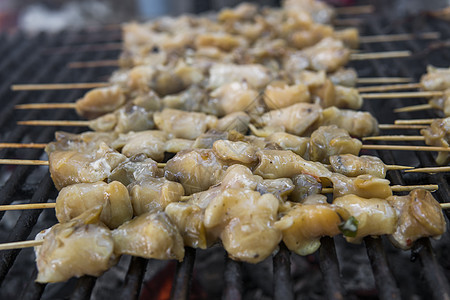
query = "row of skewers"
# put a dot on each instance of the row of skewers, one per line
(257, 193)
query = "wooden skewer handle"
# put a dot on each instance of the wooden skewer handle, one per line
(25, 162)
(46, 106)
(414, 122)
(18, 145)
(395, 138)
(426, 94)
(27, 206)
(58, 86)
(391, 87)
(430, 170)
(380, 55)
(413, 108)
(405, 148)
(19, 245)
(370, 80)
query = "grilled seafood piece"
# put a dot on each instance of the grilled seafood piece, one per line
(438, 134)
(75, 199)
(419, 215)
(151, 235)
(82, 246)
(351, 165)
(303, 225)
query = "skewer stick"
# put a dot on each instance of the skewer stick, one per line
(54, 123)
(19, 245)
(355, 10)
(58, 86)
(413, 108)
(348, 22)
(395, 188)
(353, 56)
(45, 106)
(414, 122)
(405, 138)
(380, 55)
(24, 162)
(427, 94)
(23, 146)
(397, 167)
(405, 148)
(399, 37)
(28, 206)
(369, 80)
(430, 170)
(93, 64)
(395, 126)
(392, 87)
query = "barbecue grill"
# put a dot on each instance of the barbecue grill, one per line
(32, 60)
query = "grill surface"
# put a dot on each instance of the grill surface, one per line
(26, 60)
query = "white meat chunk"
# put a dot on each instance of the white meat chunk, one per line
(135, 168)
(244, 220)
(196, 170)
(82, 142)
(419, 215)
(235, 97)
(295, 119)
(70, 167)
(375, 216)
(75, 199)
(304, 224)
(186, 125)
(237, 121)
(298, 145)
(151, 235)
(344, 77)
(366, 186)
(256, 76)
(436, 79)
(438, 134)
(357, 123)
(235, 152)
(351, 165)
(153, 194)
(280, 95)
(149, 142)
(331, 140)
(304, 186)
(286, 164)
(100, 101)
(82, 246)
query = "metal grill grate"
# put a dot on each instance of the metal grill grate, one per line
(25, 61)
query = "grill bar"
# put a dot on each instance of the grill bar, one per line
(183, 276)
(33, 290)
(329, 265)
(282, 281)
(432, 270)
(233, 280)
(84, 288)
(384, 279)
(134, 277)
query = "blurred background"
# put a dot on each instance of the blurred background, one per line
(55, 15)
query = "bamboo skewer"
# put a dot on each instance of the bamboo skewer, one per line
(430, 170)
(58, 86)
(413, 108)
(369, 80)
(22, 244)
(395, 188)
(399, 37)
(87, 123)
(414, 122)
(393, 87)
(24, 162)
(396, 126)
(353, 56)
(54, 123)
(426, 94)
(405, 148)
(380, 55)
(45, 105)
(24, 146)
(405, 138)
